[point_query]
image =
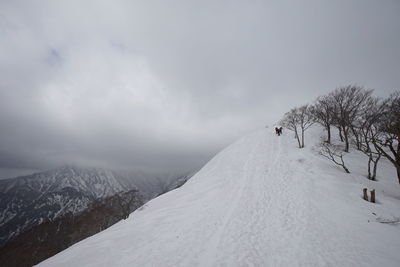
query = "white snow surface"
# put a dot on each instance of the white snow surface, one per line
(259, 202)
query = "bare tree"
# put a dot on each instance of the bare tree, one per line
(348, 102)
(306, 119)
(367, 125)
(291, 122)
(298, 120)
(333, 153)
(323, 110)
(363, 121)
(387, 137)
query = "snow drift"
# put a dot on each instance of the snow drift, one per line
(259, 202)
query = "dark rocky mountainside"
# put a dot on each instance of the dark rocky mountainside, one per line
(52, 236)
(43, 213)
(29, 200)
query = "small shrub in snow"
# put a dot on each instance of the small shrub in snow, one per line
(333, 153)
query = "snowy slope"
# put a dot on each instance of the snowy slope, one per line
(153, 184)
(259, 202)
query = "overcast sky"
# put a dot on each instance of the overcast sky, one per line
(165, 85)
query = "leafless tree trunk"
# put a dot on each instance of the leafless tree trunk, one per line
(373, 164)
(398, 174)
(346, 139)
(369, 168)
(328, 130)
(340, 133)
(375, 167)
(373, 159)
(297, 136)
(357, 137)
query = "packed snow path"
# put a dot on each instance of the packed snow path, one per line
(260, 202)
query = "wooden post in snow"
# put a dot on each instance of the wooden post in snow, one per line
(373, 196)
(365, 197)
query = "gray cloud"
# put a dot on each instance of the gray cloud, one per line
(166, 84)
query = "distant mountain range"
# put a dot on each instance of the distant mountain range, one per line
(30, 200)
(50, 237)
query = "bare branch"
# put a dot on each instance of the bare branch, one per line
(334, 154)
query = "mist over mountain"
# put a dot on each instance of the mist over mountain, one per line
(163, 85)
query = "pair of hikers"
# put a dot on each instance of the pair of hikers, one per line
(278, 131)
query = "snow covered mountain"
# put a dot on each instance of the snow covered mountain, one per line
(48, 238)
(29, 200)
(259, 202)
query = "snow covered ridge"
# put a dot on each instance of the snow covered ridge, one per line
(259, 202)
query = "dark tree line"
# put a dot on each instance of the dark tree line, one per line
(367, 123)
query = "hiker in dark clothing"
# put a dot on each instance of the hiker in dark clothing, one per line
(278, 131)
